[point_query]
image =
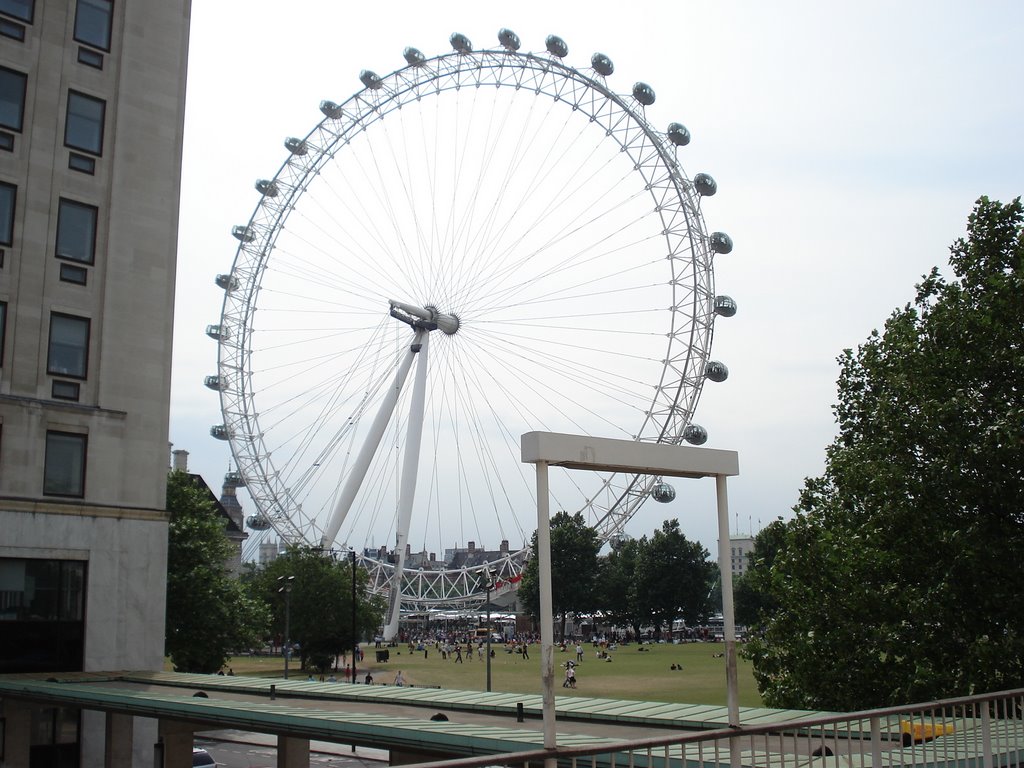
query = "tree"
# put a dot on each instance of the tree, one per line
(674, 577)
(574, 548)
(898, 579)
(752, 591)
(320, 604)
(209, 614)
(618, 597)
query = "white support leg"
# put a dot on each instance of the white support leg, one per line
(408, 488)
(369, 448)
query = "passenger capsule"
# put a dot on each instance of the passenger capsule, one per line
(370, 79)
(618, 540)
(695, 434)
(556, 46)
(725, 306)
(720, 242)
(678, 134)
(460, 43)
(216, 332)
(266, 187)
(242, 233)
(643, 93)
(220, 432)
(705, 185)
(716, 371)
(330, 109)
(295, 146)
(663, 493)
(257, 522)
(602, 64)
(212, 382)
(227, 282)
(414, 56)
(509, 40)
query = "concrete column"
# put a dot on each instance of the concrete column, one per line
(292, 752)
(119, 730)
(177, 739)
(16, 732)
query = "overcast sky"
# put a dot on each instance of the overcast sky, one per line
(849, 142)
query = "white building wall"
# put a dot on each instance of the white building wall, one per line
(118, 526)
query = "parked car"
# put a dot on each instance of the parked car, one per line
(200, 757)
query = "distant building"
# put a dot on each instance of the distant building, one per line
(742, 548)
(227, 507)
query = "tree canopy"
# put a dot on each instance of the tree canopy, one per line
(674, 577)
(319, 604)
(574, 567)
(209, 614)
(897, 581)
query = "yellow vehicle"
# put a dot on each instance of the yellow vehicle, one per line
(919, 731)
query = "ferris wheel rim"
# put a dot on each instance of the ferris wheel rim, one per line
(241, 418)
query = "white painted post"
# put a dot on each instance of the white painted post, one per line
(547, 622)
(728, 617)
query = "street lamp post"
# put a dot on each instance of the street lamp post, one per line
(355, 635)
(286, 588)
(488, 587)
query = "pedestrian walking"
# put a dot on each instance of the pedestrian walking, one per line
(399, 679)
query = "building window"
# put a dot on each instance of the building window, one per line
(69, 346)
(69, 273)
(64, 471)
(8, 198)
(84, 128)
(76, 231)
(12, 98)
(19, 9)
(11, 29)
(42, 615)
(3, 330)
(92, 23)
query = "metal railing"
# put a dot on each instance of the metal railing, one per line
(985, 731)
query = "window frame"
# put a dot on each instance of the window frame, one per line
(67, 204)
(26, 19)
(110, 23)
(21, 107)
(89, 149)
(51, 369)
(7, 222)
(52, 485)
(3, 331)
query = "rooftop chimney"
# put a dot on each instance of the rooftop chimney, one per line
(180, 460)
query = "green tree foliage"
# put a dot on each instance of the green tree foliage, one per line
(754, 603)
(674, 577)
(209, 615)
(574, 568)
(898, 580)
(618, 595)
(320, 614)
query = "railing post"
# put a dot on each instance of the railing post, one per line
(876, 740)
(986, 736)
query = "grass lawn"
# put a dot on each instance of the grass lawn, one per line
(632, 674)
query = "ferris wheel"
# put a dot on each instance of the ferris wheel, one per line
(480, 244)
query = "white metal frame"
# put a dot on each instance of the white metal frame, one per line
(547, 449)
